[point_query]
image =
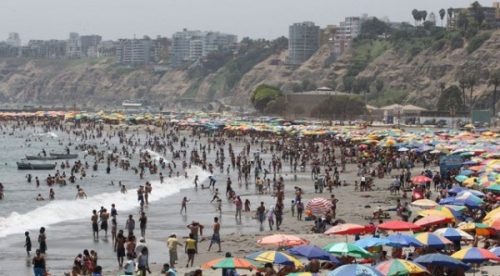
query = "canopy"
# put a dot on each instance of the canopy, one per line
(474, 255)
(275, 257)
(312, 252)
(400, 267)
(282, 240)
(432, 240)
(442, 260)
(319, 206)
(355, 270)
(347, 249)
(231, 262)
(453, 234)
(398, 225)
(346, 229)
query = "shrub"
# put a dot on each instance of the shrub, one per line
(477, 41)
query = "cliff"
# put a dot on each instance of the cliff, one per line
(407, 76)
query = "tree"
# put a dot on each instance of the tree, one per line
(264, 94)
(463, 22)
(379, 85)
(477, 12)
(450, 100)
(374, 27)
(472, 80)
(462, 83)
(442, 14)
(348, 82)
(423, 15)
(416, 15)
(450, 13)
(495, 82)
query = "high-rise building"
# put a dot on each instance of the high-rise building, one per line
(348, 30)
(74, 46)
(45, 49)
(136, 51)
(189, 46)
(14, 40)
(89, 45)
(303, 42)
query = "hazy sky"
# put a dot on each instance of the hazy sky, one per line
(44, 19)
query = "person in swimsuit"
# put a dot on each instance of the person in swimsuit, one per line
(42, 241)
(39, 264)
(215, 235)
(95, 226)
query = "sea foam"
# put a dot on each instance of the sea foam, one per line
(65, 210)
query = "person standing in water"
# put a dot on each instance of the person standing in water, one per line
(143, 220)
(184, 205)
(95, 226)
(216, 234)
(39, 264)
(42, 241)
(27, 243)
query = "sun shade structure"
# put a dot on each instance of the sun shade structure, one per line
(275, 257)
(355, 270)
(319, 205)
(431, 220)
(401, 267)
(432, 240)
(453, 234)
(437, 259)
(347, 249)
(398, 225)
(312, 252)
(474, 255)
(346, 229)
(282, 240)
(402, 240)
(231, 262)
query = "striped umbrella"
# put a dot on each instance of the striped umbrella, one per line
(496, 251)
(347, 249)
(319, 205)
(355, 270)
(441, 211)
(432, 240)
(231, 262)
(474, 255)
(396, 267)
(275, 257)
(402, 240)
(453, 234)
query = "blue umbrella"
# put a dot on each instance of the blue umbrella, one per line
(401, 240)
(467, 172)
(457, 189)
(496, 251)
(447, 200)
(312, 252)
(438, 259)
(355, 270)
(474, 192)
(470, 163)
(371, 241)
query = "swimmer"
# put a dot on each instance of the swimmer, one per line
(81, 194)
(39, 198)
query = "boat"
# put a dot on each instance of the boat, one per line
(38, 157)
(64, 155)
(34, 166)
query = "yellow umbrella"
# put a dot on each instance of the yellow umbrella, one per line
(471, 181)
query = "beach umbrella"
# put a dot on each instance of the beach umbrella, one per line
(437, 259)
(398, 225)
(347, 249)
(302, 274)
(432, 240)
(494, 188)
(400, 267)
(470, 191)
(469, 182)
(230, 262)
(444, 211)
(370, 242)
(466, 172)
(492, 215)
(403, 149)
(480, 229)
(460, 178)
(495, 224)
(319, 205)
(354, 270)
(496, 251)
(346, 229)
(453, 234)
(282, 240)
(275, 257)
(402, 240)
(424, 203)
(468, 199)
(312, 252)
(474, 255)
(431, 220)
(420, 179)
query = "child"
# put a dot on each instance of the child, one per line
(293, 208)
(27, 244)
(130, 266)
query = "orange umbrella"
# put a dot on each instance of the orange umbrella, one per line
(282, 240)
(430, 220)
(398, 225)
(346, 229)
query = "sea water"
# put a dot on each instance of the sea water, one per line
(68, 219)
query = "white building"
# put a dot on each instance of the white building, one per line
(74, 46)
(347, 31)
(14, 40)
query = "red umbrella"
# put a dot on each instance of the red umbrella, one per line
(319, 205)
(398, 225)
(430, 220)
(282, 240)
(346, 229)
(420, 179)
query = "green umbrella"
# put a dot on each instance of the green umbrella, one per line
(461, 178)
(231, 262)
(347, 249)
(494, 188)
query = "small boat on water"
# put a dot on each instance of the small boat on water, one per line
(34, 166)
(39, 157)
(63, 155)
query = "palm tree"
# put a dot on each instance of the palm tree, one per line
(472, 80)
(495, 82)
(442, 14)
(415, 15)
(450, 16)
(423, 15)
(462, 83)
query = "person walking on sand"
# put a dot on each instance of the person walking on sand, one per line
(190, 248)
(120, 248)
(270, 218)
(172, 243)
(143, 221)
(239, 206)
(184, 205)
(130, 225)
(215, 235)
